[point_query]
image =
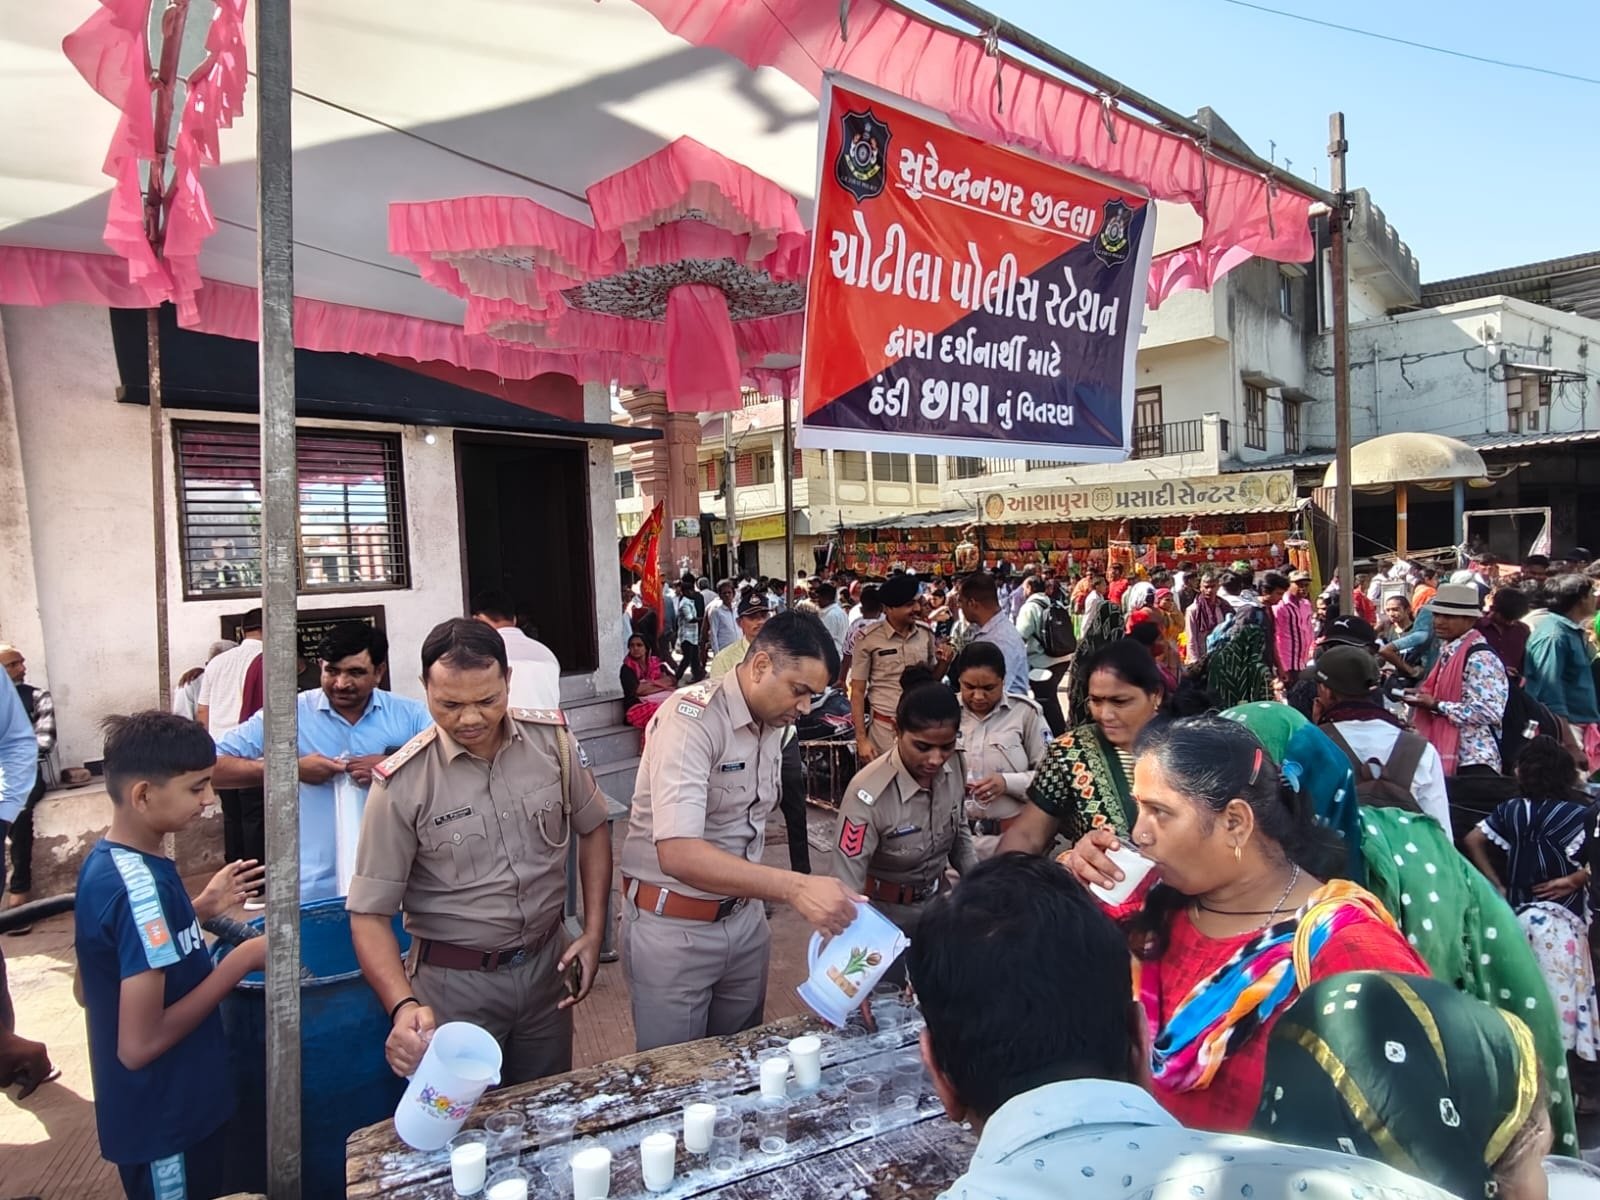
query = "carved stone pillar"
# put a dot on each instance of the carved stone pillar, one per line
(664, 470)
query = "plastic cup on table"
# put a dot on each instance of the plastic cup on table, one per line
(591, 1173)
(555, 1126)
(658, 1154)
(861, 1103)
(727, 1137)
(469, 1161)
(699, 1116)
(806, 1054)
(774, 1075)
(510, 1183)
(505, 1135)
(772, 1125)
(907, 1080)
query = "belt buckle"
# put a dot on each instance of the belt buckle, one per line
(517, 959)
(730, 906)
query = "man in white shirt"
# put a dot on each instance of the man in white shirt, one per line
(1058, 1092)
(218, 707)
(1376, 743)
(832, 615)
(535, 670)
(722, 618)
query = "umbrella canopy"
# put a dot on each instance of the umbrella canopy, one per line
(1405, 458)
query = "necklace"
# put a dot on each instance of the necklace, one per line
(1269, 913)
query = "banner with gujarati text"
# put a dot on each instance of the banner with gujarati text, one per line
(965, 298)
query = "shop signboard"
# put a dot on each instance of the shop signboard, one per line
(1198, 496)
(965, 298)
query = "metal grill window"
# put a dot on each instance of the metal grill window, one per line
(352, 534)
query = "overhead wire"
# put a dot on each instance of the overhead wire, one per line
(1533, 68)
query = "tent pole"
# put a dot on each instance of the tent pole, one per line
(279, 558)
(788, 501)
(158, 507)
(1344, 503)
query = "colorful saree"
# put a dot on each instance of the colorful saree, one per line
(1082, 784)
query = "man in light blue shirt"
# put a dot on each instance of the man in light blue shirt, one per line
(1032, 1038)
(979, 601)
(347, 727)
(19, 757)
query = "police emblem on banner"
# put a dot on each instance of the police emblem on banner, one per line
(862, 155)
(1112, 244)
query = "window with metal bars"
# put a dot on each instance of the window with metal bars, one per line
(966, 468)
(891, 468)
(352, 534)
(927, 468)
(1255, 417)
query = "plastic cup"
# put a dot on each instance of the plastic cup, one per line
(772, 1125)
(907, 1080)
(557, 1175)
(658, 1154)
(806, 1054)
(591, 1173)
(510, 1183)
(727, 1136)
(1135, 867)
(555, 1126)
(469, 1161)
(775, 1076)
(699, 1116)
(861, 1103)
(505, 1133)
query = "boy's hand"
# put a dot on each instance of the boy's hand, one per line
(24, 1062)
(251, 956)
(408, 1040)
(234, 884)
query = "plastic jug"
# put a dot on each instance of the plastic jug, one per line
(844, 974)
(461, 1063)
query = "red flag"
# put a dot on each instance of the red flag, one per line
(643, 557)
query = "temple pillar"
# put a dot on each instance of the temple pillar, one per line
(664, 471)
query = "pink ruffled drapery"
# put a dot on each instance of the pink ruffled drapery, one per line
(111, 52)
(690, 275)
(1002, 101)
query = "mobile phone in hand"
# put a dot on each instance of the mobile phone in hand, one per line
(573, 978)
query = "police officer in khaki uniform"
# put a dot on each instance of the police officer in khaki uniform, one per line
(695, 943)
(1003, 740)
(881, 655)
(901, 821)
(467, 828)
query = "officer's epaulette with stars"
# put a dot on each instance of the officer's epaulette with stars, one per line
(386, 769)
(692, 701)
(540, 716)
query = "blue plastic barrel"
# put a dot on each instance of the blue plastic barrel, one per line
(345, 1082)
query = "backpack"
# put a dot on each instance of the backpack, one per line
(1386, 784)
(1058, 636)
(1523, 720)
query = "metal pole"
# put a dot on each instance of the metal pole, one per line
(1344, 503)
(788, 501)
(279, 556)
(987, 22)
(158, 507)
(730, 509)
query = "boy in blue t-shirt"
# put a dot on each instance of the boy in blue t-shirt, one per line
(162, 1089)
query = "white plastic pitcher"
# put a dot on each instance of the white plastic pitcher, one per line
(461, 1063)
(843, 975)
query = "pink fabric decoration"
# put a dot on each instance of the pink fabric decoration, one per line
(953, 73)
(1189, 269)
(702, 361)
(109, 50)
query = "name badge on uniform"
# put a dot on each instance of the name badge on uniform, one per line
(903, 831)
(890, 650)
(726, 768)
(453, 815)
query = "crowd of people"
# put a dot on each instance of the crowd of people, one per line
(1214, 902)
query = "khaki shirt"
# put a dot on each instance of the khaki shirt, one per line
(1010, 742)
(464, 845)
(880, 657)
(711, 771)
(727, 659)
(892, 829)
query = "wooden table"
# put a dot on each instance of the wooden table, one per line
(914, 1154)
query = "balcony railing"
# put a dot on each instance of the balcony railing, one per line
(1178, 437)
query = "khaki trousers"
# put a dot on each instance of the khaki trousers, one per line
(881, 734)
(515, 1004)
(693, 979)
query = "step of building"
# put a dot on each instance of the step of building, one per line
(610, 743)
(617, 779)
(585, 715)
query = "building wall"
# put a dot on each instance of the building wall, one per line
(1443, 370)
(92, 547)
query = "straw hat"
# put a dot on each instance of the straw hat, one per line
(1457, 600)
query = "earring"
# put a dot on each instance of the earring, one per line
(1238, 854)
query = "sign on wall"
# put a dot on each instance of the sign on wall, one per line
(1203, 495)
(965, 298)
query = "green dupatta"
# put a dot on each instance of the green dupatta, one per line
(1081, 783)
